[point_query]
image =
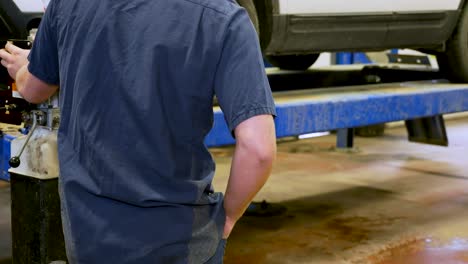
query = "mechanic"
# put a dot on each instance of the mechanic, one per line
(137, 80)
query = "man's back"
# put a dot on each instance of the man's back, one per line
(138, 78)
(137, 81)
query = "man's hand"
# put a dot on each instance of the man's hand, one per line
(13, 58)
(228, 226)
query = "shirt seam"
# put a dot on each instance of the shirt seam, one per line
(208, 7)
(223, 43)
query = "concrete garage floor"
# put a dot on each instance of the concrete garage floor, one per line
(386, 202)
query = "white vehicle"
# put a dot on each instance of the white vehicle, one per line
(293, 32)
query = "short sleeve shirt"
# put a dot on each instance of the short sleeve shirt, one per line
(137, 81)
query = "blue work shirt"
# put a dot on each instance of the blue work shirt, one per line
(137, 80)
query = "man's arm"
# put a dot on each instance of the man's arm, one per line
(31, 88)
(251, 166)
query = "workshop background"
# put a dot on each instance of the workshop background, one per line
(372, 125)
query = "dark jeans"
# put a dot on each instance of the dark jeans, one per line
(219, 254)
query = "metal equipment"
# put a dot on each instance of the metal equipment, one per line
(36, 219)
(47, 116)
(37, 235)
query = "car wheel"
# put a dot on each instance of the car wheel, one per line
(250, 8)
(293, 62)
(453, 63)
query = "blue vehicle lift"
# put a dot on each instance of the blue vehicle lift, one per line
(319, 110)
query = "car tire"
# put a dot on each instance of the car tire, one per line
(453, 63)
(293, 62)
(249, 6)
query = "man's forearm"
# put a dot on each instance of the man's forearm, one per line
(31, 88)
(251, 166)
(21, 77)
(249, 173)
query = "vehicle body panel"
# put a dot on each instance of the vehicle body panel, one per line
(364, 6)
(312, 26)
(29, 6)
